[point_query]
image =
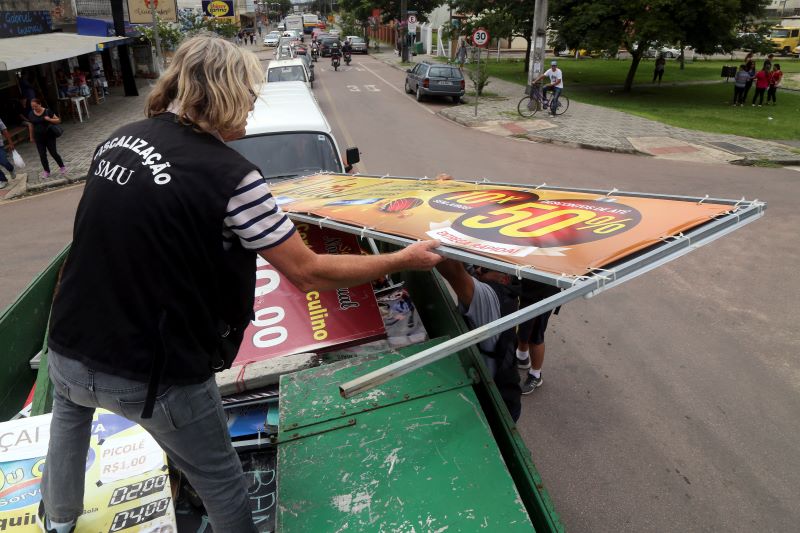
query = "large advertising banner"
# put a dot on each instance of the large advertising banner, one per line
(139, 11)
(126, 487)
(289, 321)
(562, 232)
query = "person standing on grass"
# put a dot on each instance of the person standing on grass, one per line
(750, 68)
(658, 73)
(775, 78)
(739, 83)
(762, 83)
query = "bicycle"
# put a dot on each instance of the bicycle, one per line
(533, 102)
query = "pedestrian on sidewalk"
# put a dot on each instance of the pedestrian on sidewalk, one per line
(4, 162)
(461, 54)
(45, 123)
(175, 198)
(775, 78)
(530, 335)
(762, 84)
(739, 83)
(658, 72)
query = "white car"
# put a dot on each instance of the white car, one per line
(272, 38)
(289, 70)
(797, 51)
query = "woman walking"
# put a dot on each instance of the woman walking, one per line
(44, 135)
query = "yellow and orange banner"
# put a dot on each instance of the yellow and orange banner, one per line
(562, 232)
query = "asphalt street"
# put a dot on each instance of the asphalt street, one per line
(669, 403)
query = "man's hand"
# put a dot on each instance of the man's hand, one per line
(420, 255)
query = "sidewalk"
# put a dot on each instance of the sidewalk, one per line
(78, 142)
(600, 128)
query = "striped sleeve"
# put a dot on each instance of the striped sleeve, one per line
(254, 218)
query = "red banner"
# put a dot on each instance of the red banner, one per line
(288, 320)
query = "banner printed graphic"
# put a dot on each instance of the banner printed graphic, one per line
(562, 232)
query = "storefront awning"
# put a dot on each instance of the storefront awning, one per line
(20, 52)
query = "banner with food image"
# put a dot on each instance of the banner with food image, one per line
(557, 231)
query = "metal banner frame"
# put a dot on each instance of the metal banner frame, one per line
(741, 213)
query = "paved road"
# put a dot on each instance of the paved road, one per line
(670, 403)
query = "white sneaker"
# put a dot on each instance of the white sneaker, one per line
(3, 184)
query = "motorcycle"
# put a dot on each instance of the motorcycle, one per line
(347, 58)
(335, 61)
(314, 52)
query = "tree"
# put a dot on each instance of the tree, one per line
(635, 25)
(503, 18)
(169, 34)
(390, 9)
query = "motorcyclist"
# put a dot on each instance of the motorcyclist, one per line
(336, 52)
(347, 47)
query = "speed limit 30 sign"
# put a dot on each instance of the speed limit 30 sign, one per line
(480, 37)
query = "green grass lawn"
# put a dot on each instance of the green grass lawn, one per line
(698, 107)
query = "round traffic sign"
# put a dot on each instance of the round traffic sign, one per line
(480, 37)
(412, 19)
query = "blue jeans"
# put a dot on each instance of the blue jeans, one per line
(554, 99)
(5, 163)
(188, 422)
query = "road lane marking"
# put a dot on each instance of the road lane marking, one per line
(372, 89)
(353, 88)
(347, 137)
(396, 88)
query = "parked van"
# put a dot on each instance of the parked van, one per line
(287, 135)
(289, 70)
(786, 36)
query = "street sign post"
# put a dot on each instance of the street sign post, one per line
(480, 38)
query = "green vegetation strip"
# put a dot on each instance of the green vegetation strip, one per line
(702, 101)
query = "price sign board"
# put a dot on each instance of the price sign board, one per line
(557, 231)
(480, 37)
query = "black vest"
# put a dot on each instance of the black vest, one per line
(147, 289)
(506, 378)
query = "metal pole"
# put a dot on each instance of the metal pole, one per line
(478, 74)
(538, 40)
(157, 62)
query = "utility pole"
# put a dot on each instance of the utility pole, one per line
(128, 82)
(404, 33)
(538, 40)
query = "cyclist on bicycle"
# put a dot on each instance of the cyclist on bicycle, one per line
(556, 85)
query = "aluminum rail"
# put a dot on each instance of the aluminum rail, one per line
(668, 250)
(440, 351)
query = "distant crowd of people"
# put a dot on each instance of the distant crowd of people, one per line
(245, 37)
(767, 80)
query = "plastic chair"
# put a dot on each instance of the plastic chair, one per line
(77, 101)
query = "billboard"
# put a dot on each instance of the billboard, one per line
(139, 11)
(557, 231)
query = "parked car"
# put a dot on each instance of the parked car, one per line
(668, 52)
(289, 70)
(434, 79)
(272, 38)
(358, 43)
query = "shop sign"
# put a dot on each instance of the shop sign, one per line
(139, 11)
(558, 231)
(21, 23)
(218, 8)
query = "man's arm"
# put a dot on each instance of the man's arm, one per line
(308, 270)
(458, 278)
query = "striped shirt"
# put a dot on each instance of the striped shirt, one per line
(254, 218)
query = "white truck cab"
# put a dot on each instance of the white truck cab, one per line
(287, 135)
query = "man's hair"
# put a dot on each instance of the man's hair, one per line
(212, 81)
